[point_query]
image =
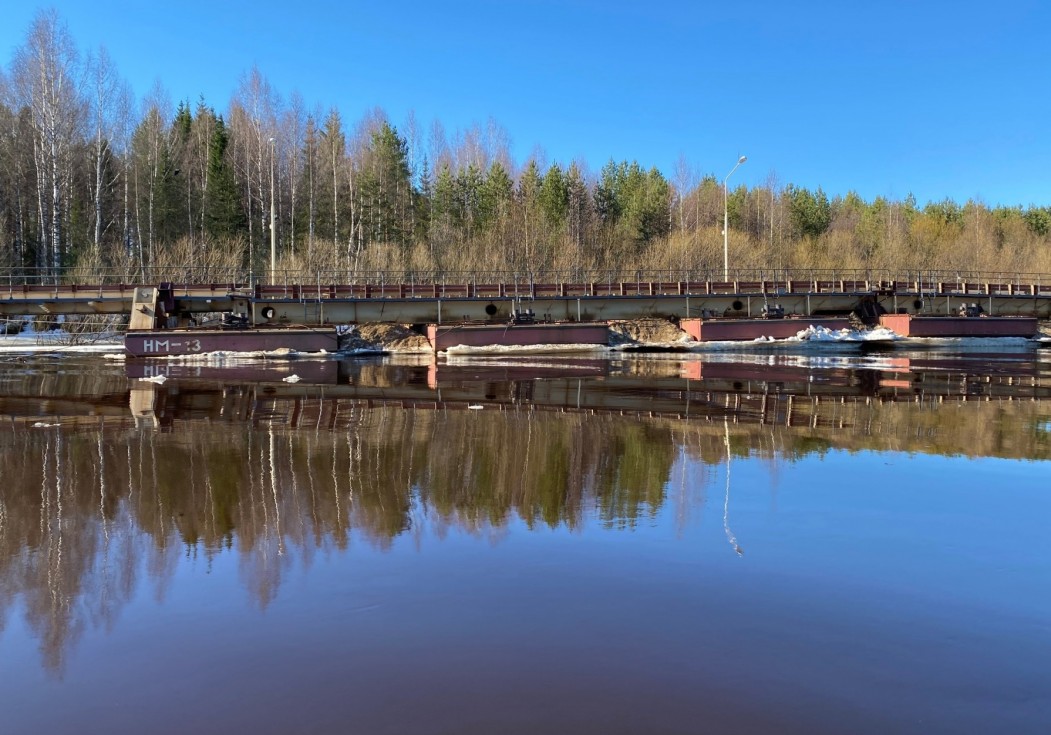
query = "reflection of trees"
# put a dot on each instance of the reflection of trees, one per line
(86, 515)
(546, 468)
(67, 543)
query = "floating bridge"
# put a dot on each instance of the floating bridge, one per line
(440, 302)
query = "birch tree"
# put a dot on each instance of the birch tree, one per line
(150, 169)
(107, 105)
(253, 123)
(684, 183)
(334, 149)
(46, 76)
(310, 158)
(10, 250)
(292, 136)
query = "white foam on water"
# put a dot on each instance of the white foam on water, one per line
(221, 357)
(367, 351)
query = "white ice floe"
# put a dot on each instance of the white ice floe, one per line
(823, 334)
(291, 379)
(811, 336)
(57, 341)
(158, 379)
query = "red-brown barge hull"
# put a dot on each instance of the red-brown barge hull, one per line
(442, 336)
(165, 342)
(908, 325)
(727, 330)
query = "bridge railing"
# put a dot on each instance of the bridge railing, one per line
(512, 283)
(139, 276)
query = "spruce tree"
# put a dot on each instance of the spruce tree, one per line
(554, 196)
(223, 216)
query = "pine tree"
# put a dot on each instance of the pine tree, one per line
(608, 204)
(811, 213)
(386, 187)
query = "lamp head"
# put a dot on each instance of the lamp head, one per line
(742, 159)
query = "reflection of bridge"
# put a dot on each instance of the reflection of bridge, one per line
(440, 302)
(780, 393)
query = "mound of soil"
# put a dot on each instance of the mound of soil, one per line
(645, 331)
(402, 337)
(384, 338)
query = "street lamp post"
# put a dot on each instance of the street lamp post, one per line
(273, 219)
(726, 222)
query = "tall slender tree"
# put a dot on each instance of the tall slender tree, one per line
(47, 76)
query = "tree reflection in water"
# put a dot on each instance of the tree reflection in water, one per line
(112, 506)
(87, 515)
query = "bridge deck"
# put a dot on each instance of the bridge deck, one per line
(442, 302)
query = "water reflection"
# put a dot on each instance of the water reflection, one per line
(113, 504)
(118, 479)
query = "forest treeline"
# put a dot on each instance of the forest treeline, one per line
(93, 179)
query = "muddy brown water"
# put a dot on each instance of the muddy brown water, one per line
(665, 544)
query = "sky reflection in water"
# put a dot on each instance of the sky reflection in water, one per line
(348, 556)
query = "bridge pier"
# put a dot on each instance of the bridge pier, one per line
(144, 309)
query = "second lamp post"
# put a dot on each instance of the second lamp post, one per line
(726, 222)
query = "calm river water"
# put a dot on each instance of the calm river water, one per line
(721, 543)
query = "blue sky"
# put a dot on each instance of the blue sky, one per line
(941, 99)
